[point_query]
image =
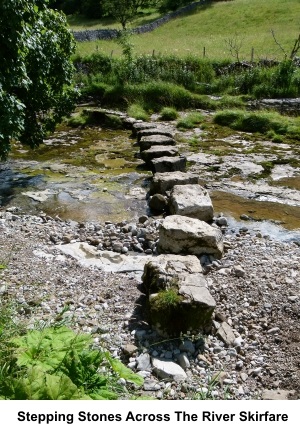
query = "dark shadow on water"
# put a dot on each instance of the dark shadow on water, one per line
(11, 182)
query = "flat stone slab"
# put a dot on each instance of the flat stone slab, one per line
(147, 142)
(168, 164)
(107, 261)
(155, 132)
(192, 201)
(183, 235)
(163, 182)
(159, 151)
(142, 125)
(166, 369)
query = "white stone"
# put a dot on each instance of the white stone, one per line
(191, 200)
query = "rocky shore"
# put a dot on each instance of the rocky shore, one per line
(252, 350)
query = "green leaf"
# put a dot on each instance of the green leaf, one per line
(125, 372)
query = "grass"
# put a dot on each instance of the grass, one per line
(191, 120)
(138, 112)
(264, 122)
(211, 27)
(168, 114)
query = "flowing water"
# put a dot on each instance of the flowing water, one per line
(92, 174)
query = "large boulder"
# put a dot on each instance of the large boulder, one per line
(158, 151)
(183, 235)
(161, 270)
(192, 201)
(168, 164)
(178, 298)
(163, 182)
(147, 142)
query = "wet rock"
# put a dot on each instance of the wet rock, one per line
(158, 203)
(183, 235)
(192, 201)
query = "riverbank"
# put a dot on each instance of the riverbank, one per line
(255, 287)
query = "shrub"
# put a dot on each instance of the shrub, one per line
(138, 112)
(168, 114)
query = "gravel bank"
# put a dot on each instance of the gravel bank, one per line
(256, 287)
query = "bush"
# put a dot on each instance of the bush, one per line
(168, 114)
(138, 112)
(266, 122)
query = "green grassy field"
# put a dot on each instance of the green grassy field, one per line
(244, 23)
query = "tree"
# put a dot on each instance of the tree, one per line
(125, 10)
(36, 72)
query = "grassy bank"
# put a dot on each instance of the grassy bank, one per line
(216, 27)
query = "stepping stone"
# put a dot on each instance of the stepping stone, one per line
(163, 182)
(183, 235)
(168, 164)
(158, 152)
(154, 132)
(138, 126)
(192, 304)
(147, 142)
(192, 201)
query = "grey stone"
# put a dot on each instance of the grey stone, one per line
(183, 235)
(239, 271)
(154, 132)
(151, 386)
(163, 182)
(183, 360)
(158, 152)
(187, 346)
(168, 164)
(192, 201)
(226, 334)
(193, 307)
(148, 142)
(143, 362)
(161, 270)
(166, 369)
